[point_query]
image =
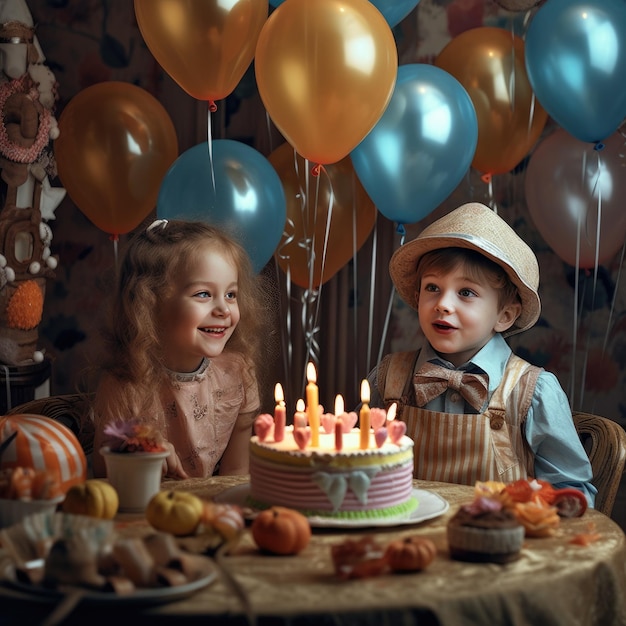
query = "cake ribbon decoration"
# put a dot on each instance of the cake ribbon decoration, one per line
(335, 486)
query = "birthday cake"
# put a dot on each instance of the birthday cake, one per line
(349, 483)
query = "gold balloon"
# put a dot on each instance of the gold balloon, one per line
(489, 63)
(115, 145)
(309, 200)
(204, 45)
(326, 70)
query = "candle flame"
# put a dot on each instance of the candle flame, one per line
(311, 375)
(279, 396)
(391, 413)
(300, 405)
(365, 391)
(339, 405)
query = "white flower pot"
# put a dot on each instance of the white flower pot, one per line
(135, 475)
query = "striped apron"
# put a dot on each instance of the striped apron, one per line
(465, 448)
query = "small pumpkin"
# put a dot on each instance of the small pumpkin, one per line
(410, 554)
(94, 498)
(281, 530)
(175, 512)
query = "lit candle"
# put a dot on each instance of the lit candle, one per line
(339, 411)
(339, 405)
(280, 413)
(299, 418)
(364, 415)
(312, 404)
(391, 412)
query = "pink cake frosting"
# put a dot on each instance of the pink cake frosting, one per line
(352, 483)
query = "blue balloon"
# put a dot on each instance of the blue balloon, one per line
(421, 147)
(394, 11)
(576, 64)
(248, 201)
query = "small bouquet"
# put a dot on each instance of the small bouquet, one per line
(134, 436)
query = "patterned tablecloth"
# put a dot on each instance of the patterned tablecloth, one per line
(554, 582)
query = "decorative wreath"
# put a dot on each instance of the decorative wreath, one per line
(11, 150)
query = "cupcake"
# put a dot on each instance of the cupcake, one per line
(484, 531)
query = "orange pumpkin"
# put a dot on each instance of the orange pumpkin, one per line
(281, 530)
(410, 554)
(43, 444)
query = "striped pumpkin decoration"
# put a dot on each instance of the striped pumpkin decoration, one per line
(44, 444)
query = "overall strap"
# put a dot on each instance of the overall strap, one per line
(507, 411)
(516, 369)
(394, 378)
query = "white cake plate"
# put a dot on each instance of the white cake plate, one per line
(429, 506)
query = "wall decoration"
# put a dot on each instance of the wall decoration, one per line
(27, 128)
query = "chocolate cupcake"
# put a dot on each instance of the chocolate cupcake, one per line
(483, 532)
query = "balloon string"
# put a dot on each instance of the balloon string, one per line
(286, 337)
(286, 239)
(531, 115)
(612, 310)
(209, 141)
(575, 312)
(331, 204)
(402, 231)
(310, 296)
(488, 180)
(115, 238)
(614, 299)
(314, 326)
(310, 326)
(598, 187)
(386, 325)
(372, 298)
(512, 79)
(268, 126)
(583, 373)
(355, 282)
(311, 237)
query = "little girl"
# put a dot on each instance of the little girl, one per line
(183, 347)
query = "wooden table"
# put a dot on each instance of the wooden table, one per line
(554, 582)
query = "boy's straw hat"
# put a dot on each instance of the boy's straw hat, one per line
(476, 227)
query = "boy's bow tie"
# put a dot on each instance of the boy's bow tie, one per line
(432, 380)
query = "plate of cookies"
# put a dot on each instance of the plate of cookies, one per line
(84, 561)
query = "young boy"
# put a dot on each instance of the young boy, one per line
(475, 410)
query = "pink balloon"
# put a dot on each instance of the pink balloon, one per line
(566, 195)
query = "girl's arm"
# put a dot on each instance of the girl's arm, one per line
(235, 459)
